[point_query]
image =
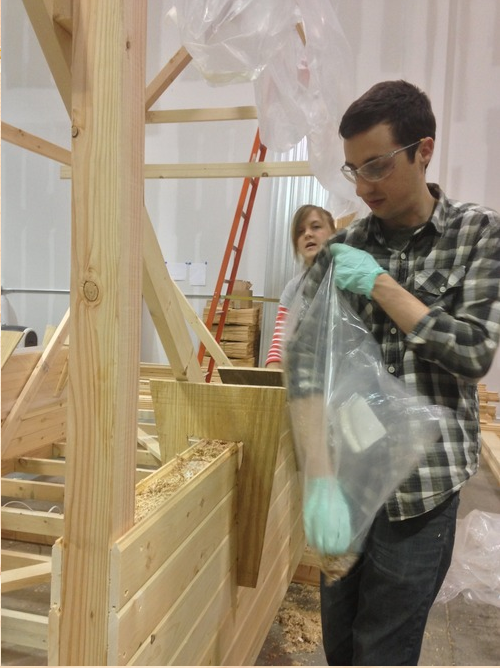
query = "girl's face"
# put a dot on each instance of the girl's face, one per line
(312, 233)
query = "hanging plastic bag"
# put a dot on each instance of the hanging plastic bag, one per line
(475, 564)
(282, 96)
(357, 430)
(232, 40)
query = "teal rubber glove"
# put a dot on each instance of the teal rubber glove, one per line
(327, 523)
(354, 269)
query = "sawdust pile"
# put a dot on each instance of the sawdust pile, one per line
(299, 615)
(180, 472)
(299, 618)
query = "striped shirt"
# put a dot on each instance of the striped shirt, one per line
(275, 353)
(451, 264)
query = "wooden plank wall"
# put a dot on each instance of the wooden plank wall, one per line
(176, 601)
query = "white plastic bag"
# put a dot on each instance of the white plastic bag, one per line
(354, 424)
(475, 564)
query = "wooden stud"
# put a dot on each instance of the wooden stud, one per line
(105, 294)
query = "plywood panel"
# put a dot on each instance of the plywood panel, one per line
(253, 415)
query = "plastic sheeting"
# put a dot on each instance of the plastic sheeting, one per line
(300, 61)
(475, 566)
(232, 40)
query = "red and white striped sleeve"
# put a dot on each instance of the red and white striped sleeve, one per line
(276, 348)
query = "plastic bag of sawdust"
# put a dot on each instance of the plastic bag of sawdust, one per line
(475, 565)
(359, 432)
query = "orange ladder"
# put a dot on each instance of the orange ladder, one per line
(234, 249)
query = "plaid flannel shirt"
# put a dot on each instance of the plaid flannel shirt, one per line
(452, 264)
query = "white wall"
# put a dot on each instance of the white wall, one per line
(450, 48)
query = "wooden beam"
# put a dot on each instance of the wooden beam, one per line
(24, 628)
(227, 170)
(165, 77)
(201, 115)
(55, 43)
(13, 420)
(150, 443)
(35, 144)
(201, 330)
(105, 294)
(20, 488)
(25, 576)
(62, 13)
(164, 305)
(36, 522)
(16, 559)
(220, 170)
(9, 342)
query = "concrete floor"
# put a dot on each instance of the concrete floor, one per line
(459, 633)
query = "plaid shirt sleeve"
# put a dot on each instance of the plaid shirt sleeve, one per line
(462, 330)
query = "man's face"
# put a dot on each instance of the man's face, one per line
(398, 197)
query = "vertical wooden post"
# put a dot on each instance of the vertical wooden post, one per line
(108, 91)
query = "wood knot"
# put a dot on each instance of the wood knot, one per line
(90, 291)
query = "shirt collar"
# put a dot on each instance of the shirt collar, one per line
(437, 219)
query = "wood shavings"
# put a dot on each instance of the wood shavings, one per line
(300, 619)
(335, 568)
(180, 473)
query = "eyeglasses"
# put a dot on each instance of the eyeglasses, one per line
(376, 169)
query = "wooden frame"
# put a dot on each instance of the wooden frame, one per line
(101, 417)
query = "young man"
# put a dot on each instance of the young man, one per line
(423, 272)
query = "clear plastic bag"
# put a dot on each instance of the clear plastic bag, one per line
(357, 429)
(475, 564)
(232, 40)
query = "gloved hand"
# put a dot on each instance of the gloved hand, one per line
(354, 269)
(327, 522)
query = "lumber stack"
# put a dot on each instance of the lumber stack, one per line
(488, 405)
(490, 428)
(241, 334)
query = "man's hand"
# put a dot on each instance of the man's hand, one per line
(327, 523)
(354, 269)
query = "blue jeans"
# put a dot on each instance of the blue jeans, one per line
(376, 614)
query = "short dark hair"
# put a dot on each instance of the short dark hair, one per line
(301, 214)
(401, 105)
